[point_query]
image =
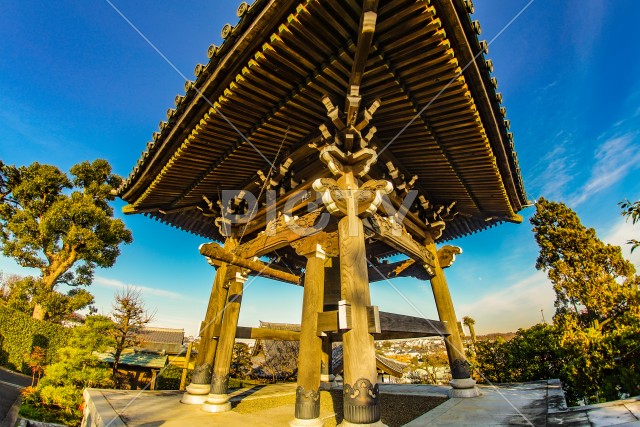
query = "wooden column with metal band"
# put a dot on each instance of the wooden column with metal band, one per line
(200, 384)
(349, 155)
(307, 408)
(462, 383)
(218, 399)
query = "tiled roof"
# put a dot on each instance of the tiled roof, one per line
(268, 77)
(162, 339)
(141, 359)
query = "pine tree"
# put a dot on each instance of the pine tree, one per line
(591, 279)
(62, 226)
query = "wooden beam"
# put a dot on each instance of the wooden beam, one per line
(391, 322)
(215, 252)
(406, 268)
(365, 38)
(341, 319)
(243, 332)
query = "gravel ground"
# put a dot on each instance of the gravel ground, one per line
(397, 410)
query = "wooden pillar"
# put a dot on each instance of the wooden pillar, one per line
(200, 384)
(462, 383)
(331, 299)
(326, 374)
(307, 408)
(361, 394)
(218, 399)
(185, 370)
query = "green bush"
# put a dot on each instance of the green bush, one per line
(19, 333)
(169, 378)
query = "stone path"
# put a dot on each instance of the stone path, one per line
(11, 383)
(539, 403)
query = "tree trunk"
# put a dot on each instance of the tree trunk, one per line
(39, 312)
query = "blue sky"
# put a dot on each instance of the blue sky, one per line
(77, 83)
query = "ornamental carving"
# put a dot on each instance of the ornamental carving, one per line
(460, 369)
(362, 402)
(201, 374)
(307, 403)
(447, 255)
(321, 244)
(362, 202)
(219, 384)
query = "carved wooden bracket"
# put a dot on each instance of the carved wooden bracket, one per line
(447, 255)
(361, 202)
(393, 234)
(280, 232)
(321, 245)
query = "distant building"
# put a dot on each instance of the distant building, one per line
(161, 340)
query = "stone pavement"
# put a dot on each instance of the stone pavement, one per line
(539, 403)
(11, 383)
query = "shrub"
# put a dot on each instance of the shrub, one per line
(19, 334)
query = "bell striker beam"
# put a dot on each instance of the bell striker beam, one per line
(307, 408)
(218, 399)
(201, 379)
(462, 383)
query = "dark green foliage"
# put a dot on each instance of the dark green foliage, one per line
(59, 392)
(593, 345)
(62, 226)
(170, 377)
(19, 333)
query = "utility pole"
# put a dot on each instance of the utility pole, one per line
(542, 312)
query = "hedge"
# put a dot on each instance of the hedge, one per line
(19, 333)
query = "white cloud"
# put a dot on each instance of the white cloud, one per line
(519, 304)
(614, 159)
(619, 234)
(557, 172)
(113, 283)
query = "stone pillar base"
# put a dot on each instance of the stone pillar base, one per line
(327, 378)
(346, 423)
(217, 403)
(196, 394)
(216, 407)
(314, 422)
(193, 399)
(463, 387)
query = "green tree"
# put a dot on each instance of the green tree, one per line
(589, 277)
(631, 211)
(62, 226)
(58, 396)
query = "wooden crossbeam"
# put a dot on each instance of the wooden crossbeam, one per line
(267, 334)
(214, 252)
(382, 325)
(406, 268)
